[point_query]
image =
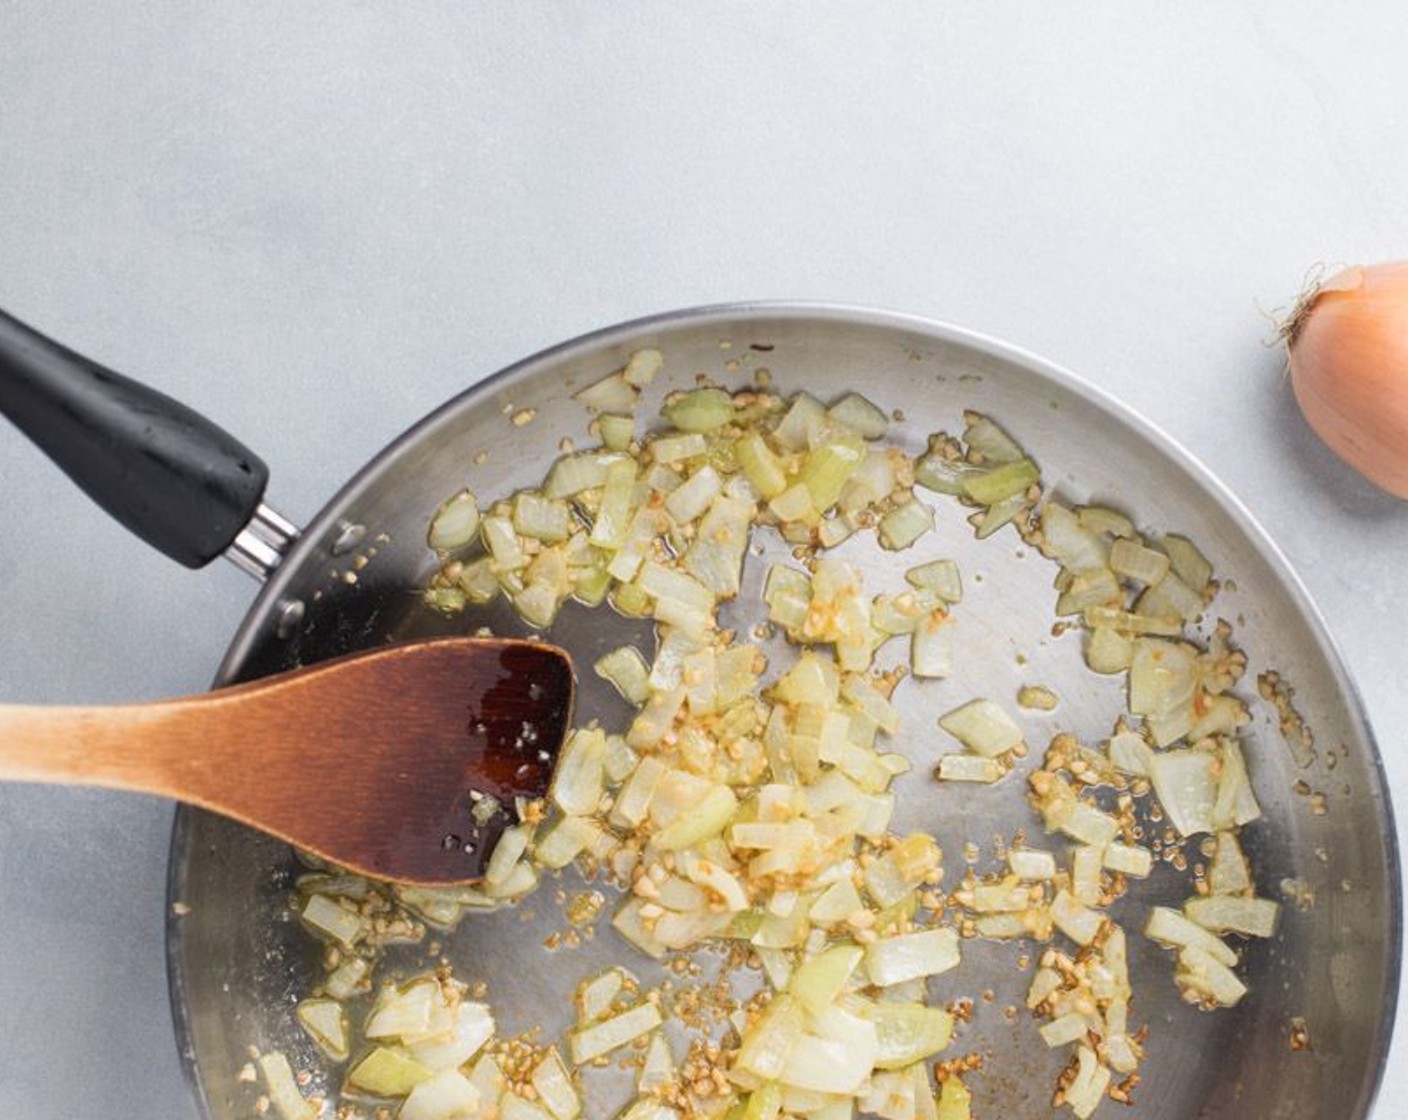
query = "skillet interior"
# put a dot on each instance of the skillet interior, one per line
(238, 965)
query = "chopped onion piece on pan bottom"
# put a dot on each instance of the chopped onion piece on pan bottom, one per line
(747, 805)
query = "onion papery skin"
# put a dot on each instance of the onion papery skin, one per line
(1348, 343)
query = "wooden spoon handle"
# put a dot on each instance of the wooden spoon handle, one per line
(150, 748)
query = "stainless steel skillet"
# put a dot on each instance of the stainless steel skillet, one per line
(349, 580)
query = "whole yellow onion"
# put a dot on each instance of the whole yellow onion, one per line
(1348, 342)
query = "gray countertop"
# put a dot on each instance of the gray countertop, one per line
(317, 221)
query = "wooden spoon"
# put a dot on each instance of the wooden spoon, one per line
(400, 763)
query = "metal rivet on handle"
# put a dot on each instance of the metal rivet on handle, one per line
(349, 536)
(290, 618)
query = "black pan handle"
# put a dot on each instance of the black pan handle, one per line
(181, 483)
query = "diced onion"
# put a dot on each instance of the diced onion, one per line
(1228, 870)
(1207, 977)
(405, 1012)
(1189, 564)
(1186, 784)
(761, 465)
(601, 1038)
(613, 393)
(676, 449)
(716, 556)
(1001, 483)
(1134, 561)
(1077, 921)
(905, 524)
(1099, 519)
(514, 1107)
(456, 523)
(860, 416)
(768, 1045)
(700, 410)
(931, 649)
(968, 768)
(908, 1031)
(865, 696)
(835, 1055)
(1031, 865)
(658, 1069)
(1089, 825)
(943, 475)
(626, 669)
(326, 1024)
(348, 978)
(818, 981)
(563, 840)
(344, 926)
(1064, 539)
(1170, 597)
(1045, 983)
(689, 500)
(471, 1026)
(1037, 697)
(709, 818)
(1086, 862)
(649, 1108)
(955, 1102)
(1065, 1030)
(615, 517)
(576, 473)
(1129, 859)
(1162, 681)
(889, 1096)
(449, 1095)
(633, 800)
(478, 581)
(1254, 917)
(617, 431)
(837, 903)
(543, 519)
(1108, 651)
(596, 994)
(1087, 1089)
(1094, 587)
(642, 366)
(513, 842)
(502, 542)
(487, 1077)
(907, 956)
(989, 442)
(577, 782)
(1171, 928)
(388, 1072)
(283, 1088)
(939, 576)
(1129, 753)
(982, 726)
(554, 1087)
(1003, 896)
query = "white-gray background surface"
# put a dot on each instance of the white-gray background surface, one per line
(317, 221)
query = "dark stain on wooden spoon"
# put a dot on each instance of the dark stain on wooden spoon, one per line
(481, 742)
